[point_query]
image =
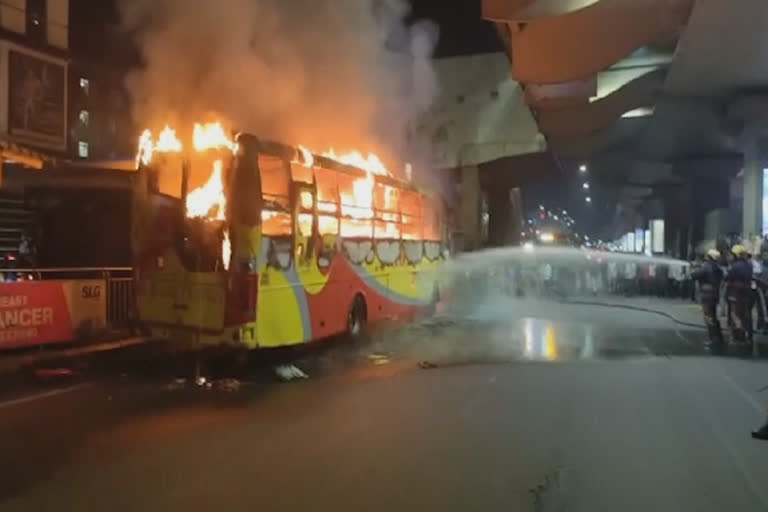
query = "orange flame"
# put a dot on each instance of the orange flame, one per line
(208, 200)
(308, 160)
(226, 250)
(146, 147)
(370, 163)
(166, 142)
(211, 136)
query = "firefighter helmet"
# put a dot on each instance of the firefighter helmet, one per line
(739, 250)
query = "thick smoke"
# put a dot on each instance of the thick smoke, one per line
(347, 74)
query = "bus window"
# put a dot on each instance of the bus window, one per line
(275, 182)
(385, 202)
(301, 173)
(383, 229)
(275, 223)
(327, 191)
(410, 210)
(431, 219)
(328, 225)
(356, 228)
(306, 201)
(304, 223)
(356, 195)
(167, 171)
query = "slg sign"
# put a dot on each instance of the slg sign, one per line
(42, 312)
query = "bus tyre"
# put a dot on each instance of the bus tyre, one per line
(356, 318)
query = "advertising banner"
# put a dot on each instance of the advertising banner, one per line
(42, 312)
(37, 98)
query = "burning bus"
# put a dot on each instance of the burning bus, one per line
(275, 245)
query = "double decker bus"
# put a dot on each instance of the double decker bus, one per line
(278, 246)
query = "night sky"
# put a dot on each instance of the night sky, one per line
(462, 30)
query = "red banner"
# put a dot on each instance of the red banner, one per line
(41, 312)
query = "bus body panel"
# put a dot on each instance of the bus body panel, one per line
(305, 278)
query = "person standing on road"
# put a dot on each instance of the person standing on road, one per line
(739, 281)
(758, 289)
(709, 275)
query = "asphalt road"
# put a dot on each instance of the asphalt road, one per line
(550, 408)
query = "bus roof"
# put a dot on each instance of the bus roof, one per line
(292, 153)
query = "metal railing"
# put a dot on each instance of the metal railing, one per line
(118, 282)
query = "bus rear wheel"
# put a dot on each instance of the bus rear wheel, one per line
(356, 318)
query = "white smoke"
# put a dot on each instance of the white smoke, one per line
(348, 74)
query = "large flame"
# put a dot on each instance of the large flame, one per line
(208, 200)
(357, 212)
(211, 136)
(226, 250)
(166, 142)
(370, 163)
(146, 147)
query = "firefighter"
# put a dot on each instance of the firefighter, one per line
(759, 289)
(738, 293)
(709, 276)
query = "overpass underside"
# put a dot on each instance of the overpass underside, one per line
(658, 96)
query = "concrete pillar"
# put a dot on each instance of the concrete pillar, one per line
(505, 211)
(500, 221)
(516, 197)
(752, 208)
(470, 207)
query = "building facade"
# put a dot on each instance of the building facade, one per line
(34, 62)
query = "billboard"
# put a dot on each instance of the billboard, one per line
(42, 312)
(37, 99)
(648, 243)
(639, 239)
(657, 236)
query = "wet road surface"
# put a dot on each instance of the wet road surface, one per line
(586, 409)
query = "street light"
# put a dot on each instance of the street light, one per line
(589, 199)
(583, 168)
(585, 186)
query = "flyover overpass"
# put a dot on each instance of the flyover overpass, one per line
(657, 95)
(481, 129)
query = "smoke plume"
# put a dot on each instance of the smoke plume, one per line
(347, 74)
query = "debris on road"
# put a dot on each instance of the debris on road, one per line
(378, 359)
(289, 372)
(426, 365)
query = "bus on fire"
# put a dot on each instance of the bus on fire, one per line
(277, 246)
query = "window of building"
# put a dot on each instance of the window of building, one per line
(84, 85)
(83, 117)
(36, 20)
(82, 149)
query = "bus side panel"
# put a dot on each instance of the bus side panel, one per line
(281, 314)
(170, 296)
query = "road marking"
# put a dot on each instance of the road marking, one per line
(42, 396)
(757, 406)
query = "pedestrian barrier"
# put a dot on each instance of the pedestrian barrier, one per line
(41, 306)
